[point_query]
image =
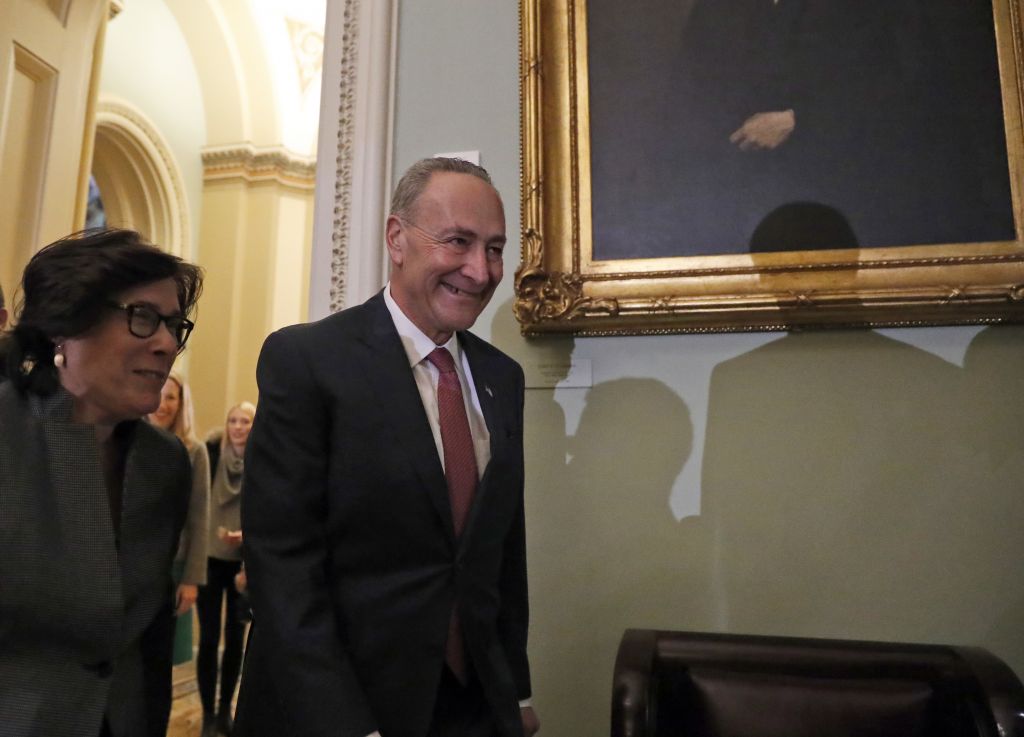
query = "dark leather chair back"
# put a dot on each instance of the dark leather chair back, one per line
(687, 684)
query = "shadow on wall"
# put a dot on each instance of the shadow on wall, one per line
(627, 561)
(605, 549)
(853, 487)
(858, 487)
(995, 428)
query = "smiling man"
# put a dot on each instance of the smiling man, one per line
(383, 505)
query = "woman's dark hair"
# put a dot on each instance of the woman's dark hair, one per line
(66, 290)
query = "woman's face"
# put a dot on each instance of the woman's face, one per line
(112, 375)
(239, 425)
(170, 402)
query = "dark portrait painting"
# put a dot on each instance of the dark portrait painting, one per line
(708, 116)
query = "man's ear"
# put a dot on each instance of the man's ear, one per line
(393, 231)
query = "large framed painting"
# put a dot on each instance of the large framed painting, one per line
(719, 165)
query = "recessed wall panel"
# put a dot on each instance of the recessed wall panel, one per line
(28, 121)
(60, 10)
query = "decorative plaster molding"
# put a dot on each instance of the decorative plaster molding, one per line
(307, 50)
(258, 164)
(163, 189)
(351, 198)
(340, 230)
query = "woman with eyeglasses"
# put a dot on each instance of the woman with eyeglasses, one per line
(92, 500)
(175, 415)
(227, 453)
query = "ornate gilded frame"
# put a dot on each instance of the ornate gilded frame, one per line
(560, 288)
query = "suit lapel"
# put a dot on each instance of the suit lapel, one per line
(490, 405)
(390, 375)
(482, 378)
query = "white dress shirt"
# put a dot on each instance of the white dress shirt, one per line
(417, 347)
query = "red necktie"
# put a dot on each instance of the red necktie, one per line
(461, 474)
(456, 440)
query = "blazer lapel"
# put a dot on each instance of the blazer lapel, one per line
(392, 380)
(482, 375)
(490, 405)
(81, 512)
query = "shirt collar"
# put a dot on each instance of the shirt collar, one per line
(416, 343)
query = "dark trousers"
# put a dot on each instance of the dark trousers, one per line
(219, 588)
(461, 710)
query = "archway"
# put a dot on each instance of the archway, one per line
(138, 178)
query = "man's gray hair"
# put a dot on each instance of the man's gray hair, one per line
(415, 179)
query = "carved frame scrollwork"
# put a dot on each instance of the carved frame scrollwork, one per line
(561, 288)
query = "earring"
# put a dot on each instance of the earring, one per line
(58, 358)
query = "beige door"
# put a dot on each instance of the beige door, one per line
(47, 92)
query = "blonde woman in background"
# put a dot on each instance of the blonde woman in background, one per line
(224, 562)
(175, 415)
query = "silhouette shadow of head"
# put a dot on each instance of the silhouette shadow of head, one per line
(633, 438)
(803, 226)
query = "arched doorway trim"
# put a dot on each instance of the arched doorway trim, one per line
(139, 179)
(354, 154)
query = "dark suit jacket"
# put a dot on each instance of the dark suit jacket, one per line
(85, 628)
(349, 543)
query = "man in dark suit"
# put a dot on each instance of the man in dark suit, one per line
(382, 508)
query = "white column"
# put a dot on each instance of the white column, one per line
(353, 154)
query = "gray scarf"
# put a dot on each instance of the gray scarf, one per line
(227, 482)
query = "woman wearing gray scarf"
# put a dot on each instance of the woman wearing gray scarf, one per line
(224, 562)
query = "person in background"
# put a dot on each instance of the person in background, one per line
(224, 562)
(175, 415)
(385, 541)
(93, 500)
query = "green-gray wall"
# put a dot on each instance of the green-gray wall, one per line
(849, 484)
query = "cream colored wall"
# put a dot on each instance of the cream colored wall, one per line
(845, 484)
(148, 63)
(46, 89)
(201, 72)
(256, 226)
(252, 89)
(198, 76)
(249, 290)
(289, 283)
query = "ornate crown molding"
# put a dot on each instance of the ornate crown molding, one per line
(258, 164)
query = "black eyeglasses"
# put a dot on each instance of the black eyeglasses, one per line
(144, 321)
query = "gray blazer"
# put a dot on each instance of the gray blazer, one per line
(86, 626)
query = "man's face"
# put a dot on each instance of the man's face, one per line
(447, 254)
